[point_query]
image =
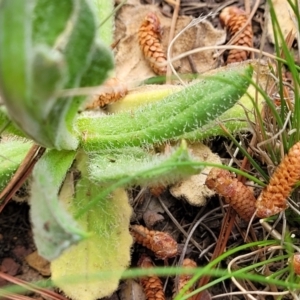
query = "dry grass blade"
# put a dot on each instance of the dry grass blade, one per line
(226, 228)
(176, 4)
(225, 232)
(29, 286)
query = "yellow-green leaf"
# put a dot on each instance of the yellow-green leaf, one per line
(108, 247)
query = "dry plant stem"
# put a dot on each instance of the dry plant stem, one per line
(171, 36)
(18, 297)
(243, 284)
(262, 44)
(273, 198)
(288, 41)
(239, 196)
(234, 19)
(150, 43)
(31, 287)
(21, 174)
(194, 22)
(227, 47)
(186, 235)
(268, 273)
(226, 228)
(161, 243)
(118, 91)
(247, 5)
(194, 227)
(259, 293)
(277, 136)
(152, 285)
(260, 252)
(191, 232)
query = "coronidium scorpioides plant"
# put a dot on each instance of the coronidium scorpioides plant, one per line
(79, 213)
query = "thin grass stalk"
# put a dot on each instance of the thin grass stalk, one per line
(236, 274)
(167, 271)
(278, 120)
(259, 119)
(292, 66)
(279, 273)
(210, 266)
(246, 154)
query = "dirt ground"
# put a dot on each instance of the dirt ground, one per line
(15, 230)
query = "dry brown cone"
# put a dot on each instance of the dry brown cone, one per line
(296, 263)
(161, 243)
(234, 19)
(185, 278)
(273, 198)
(152, 285)
(118, 90)
(150, 43)
(238, 195)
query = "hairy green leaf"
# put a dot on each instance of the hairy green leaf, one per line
(53, 228)
(12, 153)
(175, 115)
(7, 126)
(47, 47)
(108, 247)
(145, 168)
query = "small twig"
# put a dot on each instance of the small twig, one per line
(247, 6)
(170, 61)
(225, 47)
(186, 235)
(248, 293)
(171, 36)
(226, 228)
(21, 174)
(190, 237)
(30, 287)
(115, 10)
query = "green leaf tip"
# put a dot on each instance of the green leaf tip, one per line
(179, 113)
(47, 47)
